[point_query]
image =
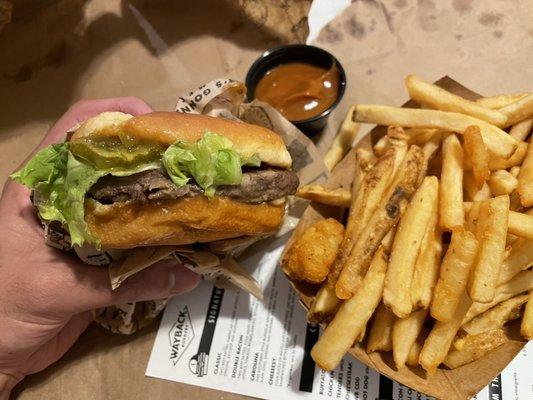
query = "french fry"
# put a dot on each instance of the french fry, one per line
(339, 197)
(502, 182)
(498, 142)
(440, 99)
(519, 110)
(381, 145)
(427, 265)
(516, 159)
(366, 159)
(497, 316)
(519, 258)
(451, 188)
(454, 271)
(520, 131)
(526, 327)
(515, 171)
(407, 242)
(431, 147)
(525, 179)
(343, 141)
(386, 215)
(500, 101)
(352, 316)
(471, 191)
(472, 216)
(521, 282)
(404, 334)
(414, 354)
(364, 200)
(474, 347)
(440, 338)
(421, 136)
(380, 338)
(476, 152)
(521, 225)
(484, 277)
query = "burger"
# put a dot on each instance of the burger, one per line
(162, 178)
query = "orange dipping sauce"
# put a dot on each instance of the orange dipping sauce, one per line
(299, 91)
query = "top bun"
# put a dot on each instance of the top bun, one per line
(170, 127)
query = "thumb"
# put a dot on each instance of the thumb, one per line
(92, 288)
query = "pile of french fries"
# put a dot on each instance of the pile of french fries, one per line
(438, 247)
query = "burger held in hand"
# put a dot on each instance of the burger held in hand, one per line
(163, 178)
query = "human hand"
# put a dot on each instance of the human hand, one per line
(46, 295)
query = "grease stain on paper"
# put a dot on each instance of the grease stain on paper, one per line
(490, 18)
(462, 6)
(497, 34)
(355, 28)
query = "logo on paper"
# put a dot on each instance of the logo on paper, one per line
(180, 335)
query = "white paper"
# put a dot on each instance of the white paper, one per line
(258, 348)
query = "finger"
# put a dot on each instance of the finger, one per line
(85, 287)
(56, 347)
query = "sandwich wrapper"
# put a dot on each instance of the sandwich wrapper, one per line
(458, 384)
(213, 261)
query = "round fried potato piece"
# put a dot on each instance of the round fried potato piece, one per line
(312, 255)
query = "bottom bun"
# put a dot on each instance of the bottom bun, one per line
(175, 222)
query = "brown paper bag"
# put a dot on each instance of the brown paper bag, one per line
(457, 384)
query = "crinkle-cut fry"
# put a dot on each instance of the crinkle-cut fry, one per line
(502, 182)
(491, 253)
(404, 334)
(519, 259)
(380, 337)
(497, 316)
(526, 327)
(525, 178)
(518, 111)
(365, 198)
(405, 249)
(427, 265)
(438, 98)
(498, 142)
(454, 272)
(451, 188)
(343, 141)
(338, 197)
(385, 216)
(440, 338)
(352, 316)
(476, 152)
(471, 191)
(474, 347)
(520, 131)
(500, 100)
(521, 282)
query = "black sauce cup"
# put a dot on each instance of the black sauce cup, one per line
(297, 53)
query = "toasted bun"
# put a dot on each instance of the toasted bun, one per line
(170, 127)
(175, 222)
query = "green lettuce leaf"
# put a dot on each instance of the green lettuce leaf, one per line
(61, 183)
(211, 161)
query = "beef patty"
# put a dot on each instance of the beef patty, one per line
(256, 187)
